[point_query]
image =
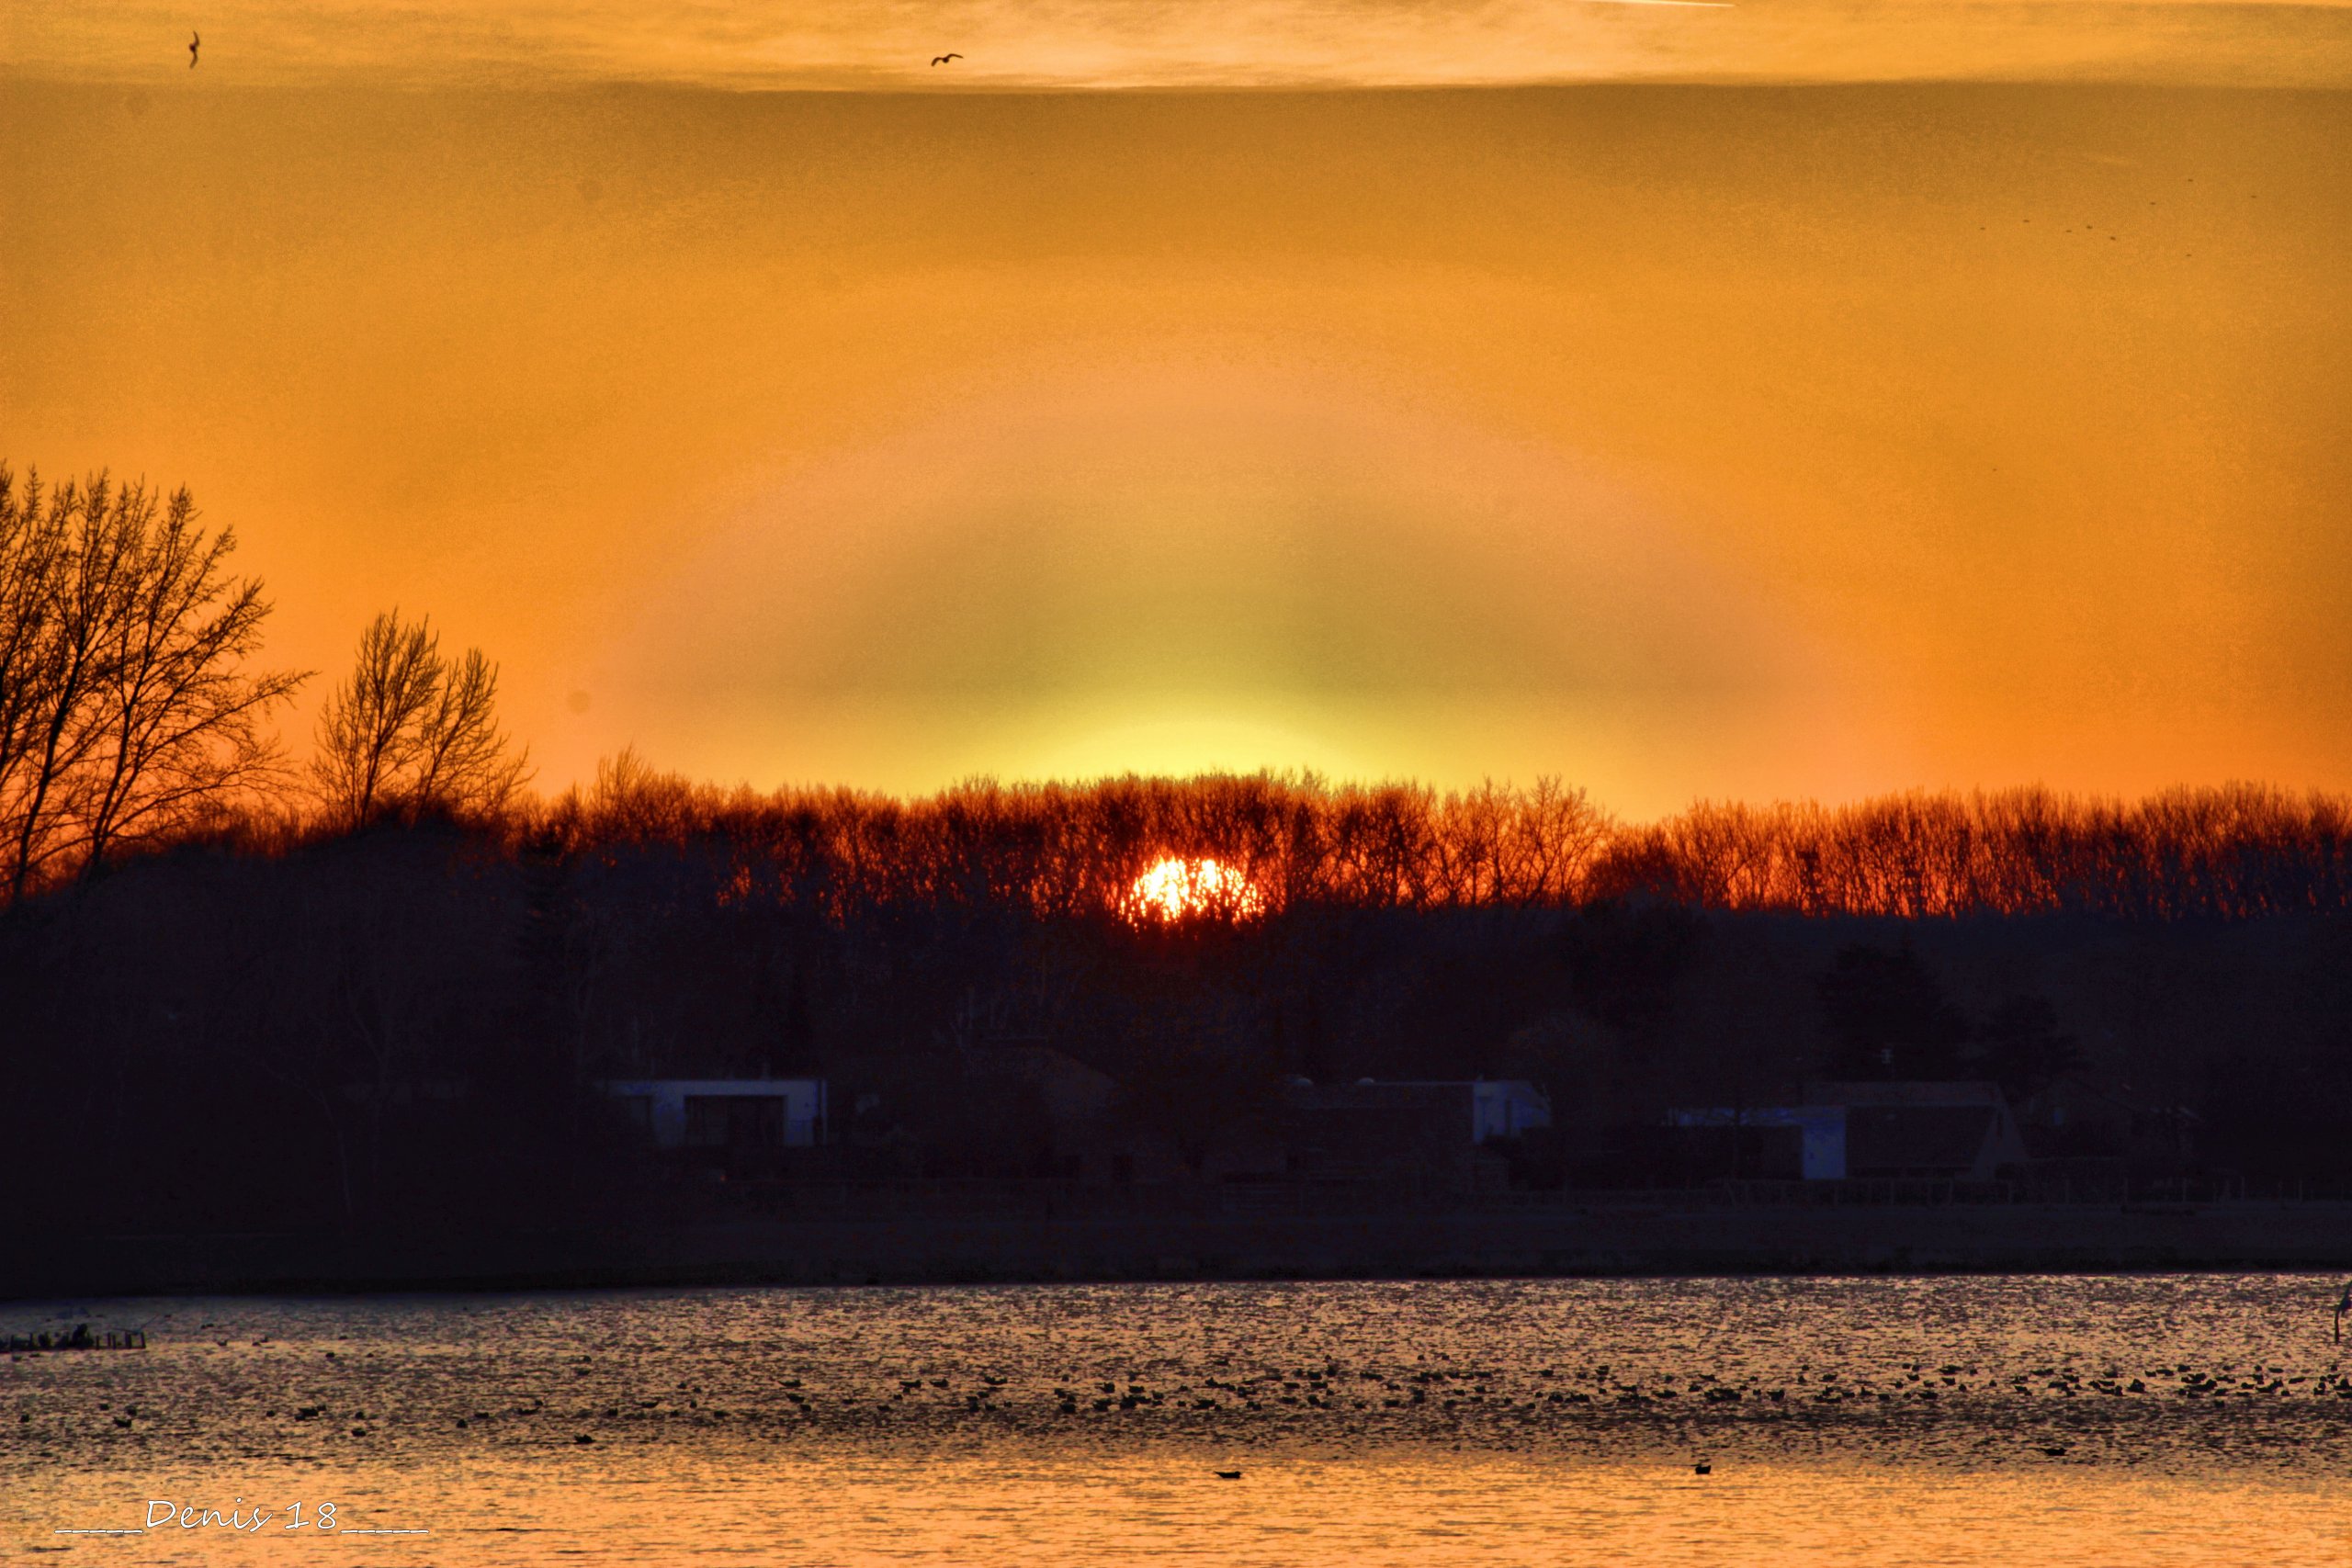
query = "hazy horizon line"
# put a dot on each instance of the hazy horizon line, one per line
(14, 76)
(1313, 781)
(1121, 45)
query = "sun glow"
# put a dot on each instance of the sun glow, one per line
(1176, 889)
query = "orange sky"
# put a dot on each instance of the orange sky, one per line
(1678, 439)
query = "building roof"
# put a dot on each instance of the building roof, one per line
(723, 1087)
(1917, 1137)
(1831, 1093)
(1367, 1095)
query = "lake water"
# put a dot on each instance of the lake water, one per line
(2102, 1420)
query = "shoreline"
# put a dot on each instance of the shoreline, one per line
(1595, 1240)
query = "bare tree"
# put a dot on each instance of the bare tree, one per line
(72, 559)
(371, 722)
(462, 756)
(31, 540)
(411, 732)
(178, 724)
(126, 713)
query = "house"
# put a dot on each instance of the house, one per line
(1425, 1134)
(2078, 1115)
(1947, 1131)
(1793, 1142)
(1470, 1112)
(725, 1113)
(1504, 1108)
(1957, 1131)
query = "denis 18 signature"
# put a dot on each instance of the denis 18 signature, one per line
(164, 1513)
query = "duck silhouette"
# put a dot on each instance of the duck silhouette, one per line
(1228, 1475)
(195, 42)
(943, 59)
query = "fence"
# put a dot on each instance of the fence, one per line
(1056, 1198)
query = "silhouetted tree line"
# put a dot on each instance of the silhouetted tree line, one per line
(406, 1024)
(129, 720)
(2228, 852)
(2236, 852)
(384, 991)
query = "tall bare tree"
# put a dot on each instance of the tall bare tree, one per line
(411, 733)
(125, 709)
(31, 540)
(371, 722)
(177, 721)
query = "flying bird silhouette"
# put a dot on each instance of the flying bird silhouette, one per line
(943, 59)
(195, 42)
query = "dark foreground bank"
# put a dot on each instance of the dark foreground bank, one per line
(1596, 1239)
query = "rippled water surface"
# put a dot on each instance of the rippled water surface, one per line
(2078, 1420)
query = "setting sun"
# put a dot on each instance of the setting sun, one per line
(1181, 889)
(1363, 700)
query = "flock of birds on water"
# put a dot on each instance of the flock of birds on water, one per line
(2048, 1411)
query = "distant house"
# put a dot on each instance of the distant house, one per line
(1429, 1133)
(1504, 1108)
(1961, 1131)
(1470, 1111)
(1426, 1134)
(1951, 1130)
(725, 1113)
(1802, 1141)
(2079, 1114)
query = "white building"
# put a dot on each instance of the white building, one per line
(1504, 1108)
(1948, 1130)
(1821, 1132)
(726, 1112)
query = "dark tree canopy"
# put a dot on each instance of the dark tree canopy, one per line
(1886, 1016)
(2022, 1048)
